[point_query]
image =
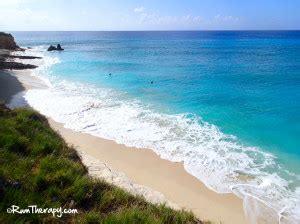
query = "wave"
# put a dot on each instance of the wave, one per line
(219, 160)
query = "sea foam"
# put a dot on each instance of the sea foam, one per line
(219, 160)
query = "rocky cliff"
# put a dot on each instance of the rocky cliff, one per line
(7, 41)
(7, 46)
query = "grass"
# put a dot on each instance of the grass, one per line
(38, 168)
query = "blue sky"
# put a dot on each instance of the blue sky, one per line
(149, 14)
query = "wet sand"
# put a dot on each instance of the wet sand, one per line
(9, 86)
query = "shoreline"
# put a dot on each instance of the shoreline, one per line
(9, 86)
(143, 167)
(146, 168)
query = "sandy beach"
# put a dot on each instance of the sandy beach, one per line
(141, 166)
(144, 167)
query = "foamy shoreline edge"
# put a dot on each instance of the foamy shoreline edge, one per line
(100, 169)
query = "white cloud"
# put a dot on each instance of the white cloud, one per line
(139, 9)
(222, 18)
(27, 20)
(29, 17)
(155, 20)
(198, 19)
(8, 4)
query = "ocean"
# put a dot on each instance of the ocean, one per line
(225, 103)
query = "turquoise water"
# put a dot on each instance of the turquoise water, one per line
(246, 84)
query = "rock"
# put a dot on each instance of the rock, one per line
(15, 65)
(19, 56)
(53, 48)
(7, 61)
(59, 47)
(7, 41)
(8, 44)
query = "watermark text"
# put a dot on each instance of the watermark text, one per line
(34, 209)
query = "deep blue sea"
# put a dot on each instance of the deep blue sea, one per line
(226, 103)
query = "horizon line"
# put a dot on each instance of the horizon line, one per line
(171, 30)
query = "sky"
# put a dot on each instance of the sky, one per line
(60, 15)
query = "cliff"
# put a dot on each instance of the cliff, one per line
(7, 45)
(7, 41)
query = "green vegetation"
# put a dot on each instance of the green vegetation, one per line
(38, 168)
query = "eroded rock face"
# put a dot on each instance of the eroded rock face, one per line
(7, 41)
